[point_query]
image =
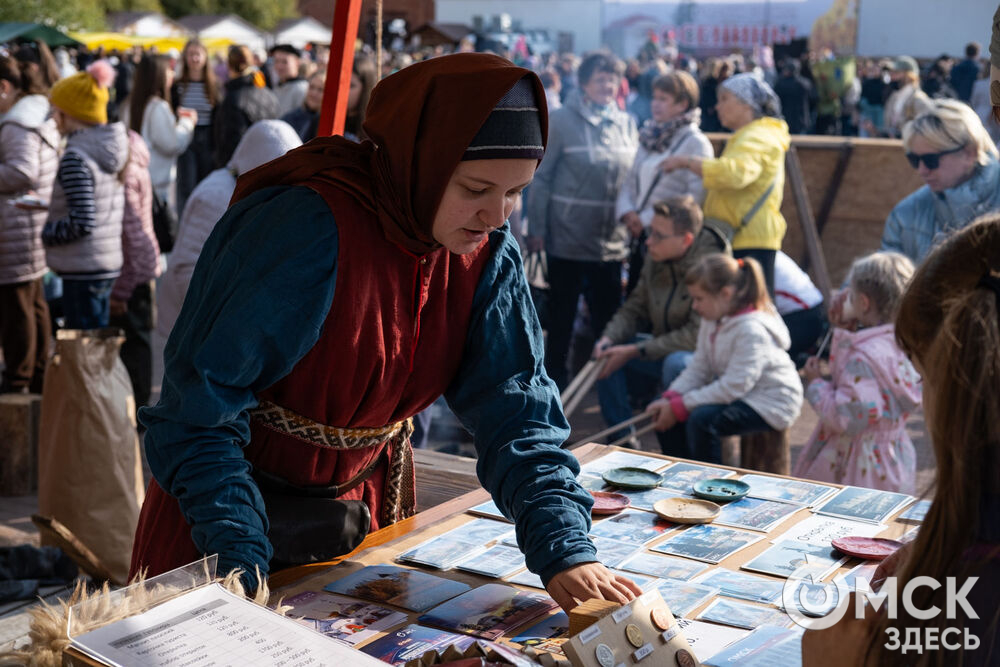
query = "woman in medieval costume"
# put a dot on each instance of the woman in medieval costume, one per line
(347, 287)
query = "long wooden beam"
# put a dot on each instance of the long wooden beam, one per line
(346, 16)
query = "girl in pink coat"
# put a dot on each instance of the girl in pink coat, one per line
(861, 437)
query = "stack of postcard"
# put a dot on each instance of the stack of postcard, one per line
(662, 567)
(743, 615)
(785, 557)
(341, 618)
(755, 514)
(489, 611)
(742, 586)
(619, 459)
(549, 634)
(764, 647)
(860, 504)
(682, 476)
(682, 596)
(401, 587)
(496, 562)
(795, 491)
(632, 527)
(446, 550)
(411, 642)
(708, 543)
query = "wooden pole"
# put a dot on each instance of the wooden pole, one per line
(814, 247)
(346, 15)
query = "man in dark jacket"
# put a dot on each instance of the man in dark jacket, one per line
(246, 101)
(797, 98)
(965, 73)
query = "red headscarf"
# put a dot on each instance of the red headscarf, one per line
(419, 120)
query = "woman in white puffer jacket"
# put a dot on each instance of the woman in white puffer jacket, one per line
(263, 142)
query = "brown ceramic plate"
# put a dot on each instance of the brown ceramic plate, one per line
(687, 510)
(869, 548)
(608, 502)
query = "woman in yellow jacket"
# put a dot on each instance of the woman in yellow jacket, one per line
(744, 185)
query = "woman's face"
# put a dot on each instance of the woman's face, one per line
(170, 77)
(666, 106)
(196, 57)
(478, 199)
(354, 94)
(952, 169)
(8, 95)
(601, 88)
(314, 94)
(733, 113)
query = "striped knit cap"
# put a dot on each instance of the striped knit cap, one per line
(512, 130)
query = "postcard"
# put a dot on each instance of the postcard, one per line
(527, 578)
(683, 596)
(644, 500)
(785, 557)
(764, 647)
(916, 512)
(707, 639)
(401, 587)
(865, 571)
(496, 562)
(612, 552)
(871, 505)
(662, 567)
(819, 529)
(489, 611)
(755, 514)
(743, 586)
(642, 581)
(682, 476)
(344, 619)
(631, 527)
(743, 615)
(708, 543)
(553, 627)
(813, 599)
(488, 509)
(409, 643)
(441, 552)
(618, 459)
(787, 490)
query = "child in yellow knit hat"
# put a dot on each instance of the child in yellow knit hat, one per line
(82, 236)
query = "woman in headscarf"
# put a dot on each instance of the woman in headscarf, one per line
(744, 185)
(347, 287)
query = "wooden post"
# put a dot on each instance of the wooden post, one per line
(19, 415)
(814, 247)
(346, 15)
(767, 451)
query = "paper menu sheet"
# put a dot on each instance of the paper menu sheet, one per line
(211, 626)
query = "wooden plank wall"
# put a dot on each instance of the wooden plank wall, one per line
(877, 177)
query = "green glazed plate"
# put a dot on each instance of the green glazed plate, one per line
(632, 478)
(721, 490)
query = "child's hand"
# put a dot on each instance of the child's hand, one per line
(663, 414)
(811, 370)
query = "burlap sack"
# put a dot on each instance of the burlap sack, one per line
(89, 467)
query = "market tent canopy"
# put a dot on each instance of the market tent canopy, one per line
(116, 40)
(35, 32)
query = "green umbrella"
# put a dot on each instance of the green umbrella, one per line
(35, 32)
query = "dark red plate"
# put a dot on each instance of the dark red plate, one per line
(869, 548)
(608, 502)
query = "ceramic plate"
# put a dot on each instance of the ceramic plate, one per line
(869, 548)
(687, 510)
(721, 490)
(607, 502)
(632, 478)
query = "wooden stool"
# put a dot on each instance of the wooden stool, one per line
(767, 451)
(19, 415)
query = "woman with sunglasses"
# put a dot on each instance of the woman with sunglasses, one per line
(954, 155)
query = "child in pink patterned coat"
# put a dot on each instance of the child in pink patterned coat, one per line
(861, 437)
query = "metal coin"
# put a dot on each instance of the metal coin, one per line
(685, 659)
(605, 656)
(634, 635)
(661, 618)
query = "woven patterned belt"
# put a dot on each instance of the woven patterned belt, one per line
(399, 501)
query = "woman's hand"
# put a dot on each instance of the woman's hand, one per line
(811, 370)
(590, 580)
(663, 414)
(673, 163)
(617, 356)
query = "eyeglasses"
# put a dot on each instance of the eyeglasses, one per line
(656, 236)
(931, 160)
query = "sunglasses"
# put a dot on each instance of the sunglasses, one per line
(931, 160)
(656, 236)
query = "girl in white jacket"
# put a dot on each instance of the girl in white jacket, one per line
(741, 379)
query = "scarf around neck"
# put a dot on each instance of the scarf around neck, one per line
(656, 137)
